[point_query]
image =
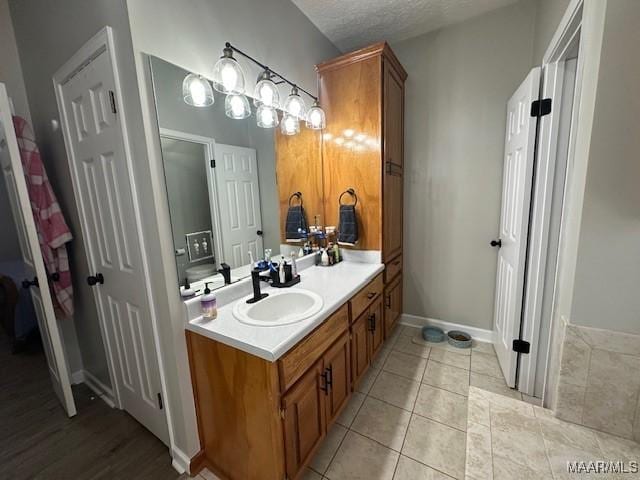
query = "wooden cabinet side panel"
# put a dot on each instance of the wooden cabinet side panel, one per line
(376, 313)
(393, 305)
(351, 96)
(299, 169)
(237, 404)
(359, 348)
(338, 361)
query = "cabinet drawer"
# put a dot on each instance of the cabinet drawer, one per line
(392, 269)
(365, 297)
(311, 348)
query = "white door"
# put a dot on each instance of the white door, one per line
(103, 190)
(514, 221)
(32, 256)
(238, 194)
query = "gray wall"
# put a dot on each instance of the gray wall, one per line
(607, 279)
(193, 39)
(460, 79)
(548, 16)
(48, 34)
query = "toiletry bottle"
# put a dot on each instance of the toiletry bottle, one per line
(281, 274)
(209, 304)
(294, 266)
(336, 252)
(186, 291)
(324, 258)
(301, 253)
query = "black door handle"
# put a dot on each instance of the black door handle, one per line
(325, 386)
(259, 232)
(95, 279)
(30, 283)
(496, 243)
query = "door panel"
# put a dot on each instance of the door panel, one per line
(103, 186)
(32, 256)
(337, 362)
(514, 222)
(393, 163)
(376, 313)
(393, 305)
(236, 179)
(359, 347)
(304, 418)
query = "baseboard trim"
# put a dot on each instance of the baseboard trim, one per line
(99, 388)
(180, 460)
(479, 334)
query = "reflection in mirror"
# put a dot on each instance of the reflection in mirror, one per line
(220, 177)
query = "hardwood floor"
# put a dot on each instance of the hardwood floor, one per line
(38, 440)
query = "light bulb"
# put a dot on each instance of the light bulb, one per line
(267, 117)
(295, 105)
(266, 92)
(227, 74)
(196, 91)
(315, 117)
(229, 77)
(237, 107)
(290, 125)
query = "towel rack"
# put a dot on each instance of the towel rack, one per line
(297, 195)
(349, 191)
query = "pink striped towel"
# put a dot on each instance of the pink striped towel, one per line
(53, 232)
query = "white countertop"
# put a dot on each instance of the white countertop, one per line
(335, 285)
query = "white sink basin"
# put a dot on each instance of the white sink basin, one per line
(279, 308)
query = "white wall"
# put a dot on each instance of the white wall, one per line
(278, 34)
(608, 265)
(460, 79)
(548, 16)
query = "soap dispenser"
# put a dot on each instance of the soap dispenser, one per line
(209, 304)
(186, 291)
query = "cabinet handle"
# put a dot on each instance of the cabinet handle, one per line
(325, 387)
(388, 301)
(372, 322)
(329, 377)
(370, 295)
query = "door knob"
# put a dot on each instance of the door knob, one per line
(496, 243)
(260, 232)
(95, 279)
(30, 283)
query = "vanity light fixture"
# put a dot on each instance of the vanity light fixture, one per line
(267, 117)
(197, 91)
(227, 74)
(294, 104)
(266, 91)
(290, 125)
(237, 106)
(316, 119)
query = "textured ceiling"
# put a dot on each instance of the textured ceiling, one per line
(352, 24)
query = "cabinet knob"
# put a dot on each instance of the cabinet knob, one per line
(370, 295)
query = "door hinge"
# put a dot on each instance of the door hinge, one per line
(112, 98)
(540, 108)
(282, 413)
(521, 346)
(213, 163)
(160, 405)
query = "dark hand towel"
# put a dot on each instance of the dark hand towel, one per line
(296, 226)
(348, 228)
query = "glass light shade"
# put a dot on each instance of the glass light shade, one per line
(237, 107)
(267, 117)
(294, 105)
(316, 119)
(227, 74)
(290, 125)
(197, 91)
(266, 92)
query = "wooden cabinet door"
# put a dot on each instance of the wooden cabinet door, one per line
(304, 418)
(393, 128)
(359, 347)
(393, 305)
(337, 367)
(376, 326)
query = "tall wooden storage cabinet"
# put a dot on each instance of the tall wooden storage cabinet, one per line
(362, 94)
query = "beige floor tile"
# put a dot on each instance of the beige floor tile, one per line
(560, 455)
(360, 458)
(479, 457)
(207, 474)
(405, 365)
(616, 448)
(409, 331)
(365, 383)
(500, 401)
(505, 469)
(532, 400)
(563, 433)
(493, 384)
(445, 376)
(483, 347)
(442, 406)
(436, 445)
(406, 345)
(442, 346)
(381, 357)
(382, 422)
(478, 410)
(396, 390)
(486, 365)
(450, 358)
(328, 448)
(311, 475)
(351, 410)
(409, 469)
(541, 412)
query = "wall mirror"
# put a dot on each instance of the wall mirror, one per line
(225, 201)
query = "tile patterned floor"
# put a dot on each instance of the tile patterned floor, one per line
(429, 411)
